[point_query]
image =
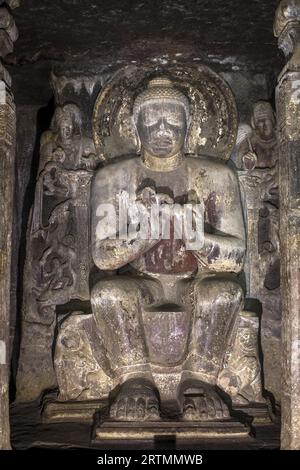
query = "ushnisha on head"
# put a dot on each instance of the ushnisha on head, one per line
(263, 120)
(161, 116)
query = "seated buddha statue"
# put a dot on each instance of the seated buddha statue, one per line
(166, 303)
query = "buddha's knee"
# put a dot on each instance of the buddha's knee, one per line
(111, 294)
(216, 292)
(117, 314)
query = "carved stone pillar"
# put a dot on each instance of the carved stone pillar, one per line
(8, 34)
(287, 29)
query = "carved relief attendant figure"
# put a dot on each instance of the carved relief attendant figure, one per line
(260, 149)
(257, 160)
(57, 262)
(258, 155)
(64, 143)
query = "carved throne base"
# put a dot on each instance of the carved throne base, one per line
(85, 384)
(107, 430)
(258, 414)
(113, 432)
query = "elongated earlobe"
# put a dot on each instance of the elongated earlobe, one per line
(137, 137)
(186, 144)
(186, 140)
(138, 143)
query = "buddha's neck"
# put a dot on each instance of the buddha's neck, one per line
(162, 164)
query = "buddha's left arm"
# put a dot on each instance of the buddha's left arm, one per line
(225, 245)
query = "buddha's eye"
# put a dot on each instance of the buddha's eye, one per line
(150, 120)
(174, 120)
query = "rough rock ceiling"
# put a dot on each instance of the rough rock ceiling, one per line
(227, 33)
(63, 29)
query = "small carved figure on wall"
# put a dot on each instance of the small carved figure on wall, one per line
(259, 150)
(65, 144)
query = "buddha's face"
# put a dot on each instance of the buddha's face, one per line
(265, 127)
(162, 127)
(66, 128)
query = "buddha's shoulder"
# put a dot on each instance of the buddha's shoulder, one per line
(118, 168)
(209, 166)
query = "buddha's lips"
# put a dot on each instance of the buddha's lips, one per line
(162, 143)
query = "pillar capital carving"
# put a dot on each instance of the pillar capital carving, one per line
(8, 32)
(8, 24)
(11, 3)
(287, 30)
(287, 14)
(8, 35)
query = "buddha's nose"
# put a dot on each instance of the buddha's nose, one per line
(162, 125)
(164, 130)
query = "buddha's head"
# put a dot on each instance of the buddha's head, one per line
(263, 120)
(161, 116)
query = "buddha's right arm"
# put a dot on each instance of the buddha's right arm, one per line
(113, 254)
(111, 250)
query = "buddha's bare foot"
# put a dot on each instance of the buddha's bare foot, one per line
(203, 403)
(136, 401)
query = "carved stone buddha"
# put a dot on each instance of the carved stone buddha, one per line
(166, 318)
(134, 268)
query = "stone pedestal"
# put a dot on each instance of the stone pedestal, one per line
(167, 431)
(72, 412)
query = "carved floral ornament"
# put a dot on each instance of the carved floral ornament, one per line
(214, 119)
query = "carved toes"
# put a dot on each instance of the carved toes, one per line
(189, 409)
(135, 408)
(205, 407)
(152, 410)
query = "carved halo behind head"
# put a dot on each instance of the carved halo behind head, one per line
(214, 121)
